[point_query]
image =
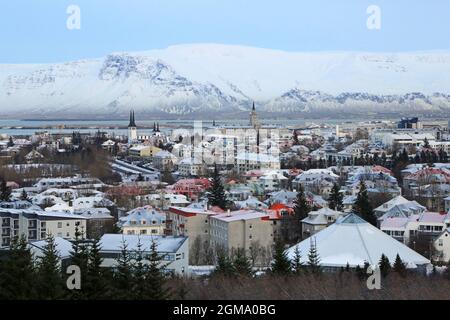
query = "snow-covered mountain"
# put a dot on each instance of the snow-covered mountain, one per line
(202, 79)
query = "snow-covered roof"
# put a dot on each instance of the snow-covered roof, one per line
(240, 215)
(354, 241)
(114, 242)
(143, 216)
(63, 247)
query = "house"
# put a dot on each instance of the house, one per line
(353, 241)
(273, 180)
(318, 181)
(164, 160)
(398, 206)
(318, 220)
(428, 225)
(144, 220)
(251, 203)
(442, 245)
(173, 250)
(429, 185)
(191, 188)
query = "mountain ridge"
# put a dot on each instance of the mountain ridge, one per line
(184, 80)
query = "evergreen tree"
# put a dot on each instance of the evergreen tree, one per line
(241, 264)
(96, 284)
(216, 193)
(385, 265)
(363, 207)
(17, 273)
(301, 210)
(426, 143)
(313, 258)
(5, 191)
(399, 266)
(50, 282)
(336, 197)
(297, 264)
(155, 277)
(79, 256)
(224, 265)
(139, 269)
(123, 275)
(280, 264)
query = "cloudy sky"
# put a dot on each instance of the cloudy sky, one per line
(36, 31)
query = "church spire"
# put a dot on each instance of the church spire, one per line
(157, 127)
(253, 108)
(132, 122)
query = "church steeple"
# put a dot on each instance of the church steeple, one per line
(132, 123)
(253, 108)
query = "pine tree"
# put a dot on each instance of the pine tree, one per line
(216, 193)
(50, 282)
(363, 207)
(399, 266)
(17, 273)
(5, 191)
(385, 265)
(313, 258)
(301, 210)
(96, 284)
(155, 277)
(280, 264)
(336, 197)
(297, 264)
(123, 275)
(139, 284)
(224, 265)
(79, 256)
(241, 264)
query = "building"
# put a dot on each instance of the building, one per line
(318, 220)
(442, 246)
(132, 129)
(241, 229)
(190, 167)
(247, 161)
(164, 160)
(353, 241)
(174, 250)
(98, 221)
(37, 224)
(190, 222)
(143, 151)
(424, 225)
(144, 220)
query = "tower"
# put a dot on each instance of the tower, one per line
(132, 130)
(254, 122)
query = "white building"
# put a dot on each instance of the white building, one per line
(353, 241)
(247, 161)
(174, 250)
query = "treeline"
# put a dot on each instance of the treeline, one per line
(139, 274)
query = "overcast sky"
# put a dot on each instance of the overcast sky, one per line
(36, 31)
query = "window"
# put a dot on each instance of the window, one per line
(59, 224)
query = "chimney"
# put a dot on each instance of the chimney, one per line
(228, 213)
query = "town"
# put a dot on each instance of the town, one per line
(145, 213)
